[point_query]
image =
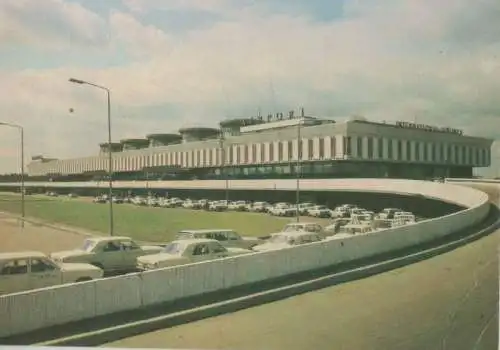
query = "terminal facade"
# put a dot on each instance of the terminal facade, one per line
(279, 146)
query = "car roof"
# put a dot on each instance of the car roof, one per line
(21, 255)
(109, 239)
(186, 242)
(207, 230)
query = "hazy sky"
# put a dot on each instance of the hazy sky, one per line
(173, 63)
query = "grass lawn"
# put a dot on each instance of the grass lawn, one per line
(141, 223)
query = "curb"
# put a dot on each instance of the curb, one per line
(114, 333)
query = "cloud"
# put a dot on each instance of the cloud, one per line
(49, 24)
(432, 61)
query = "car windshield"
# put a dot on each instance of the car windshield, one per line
(278, 239)
(172, 248)
(88, 245)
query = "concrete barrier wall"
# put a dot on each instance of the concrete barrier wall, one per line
(446, 192)
(23, 312)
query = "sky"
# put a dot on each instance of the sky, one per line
(177, 63)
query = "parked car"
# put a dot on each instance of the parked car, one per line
(319, 211)
(20, 271)
(304, 207)
(100, 199)
(218, 206)
(112, 254)
(186, 251)
(238, 206)
(260, 207)
(228, 238)
(283, 240)
(118, 200)
(387, 213)
(303, 226)
(283, 209)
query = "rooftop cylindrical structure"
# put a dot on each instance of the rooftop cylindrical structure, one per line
(198, 134)
(131, 144)
(158, 140)
(106, 147)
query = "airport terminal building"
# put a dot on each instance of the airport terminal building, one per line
(276, 146)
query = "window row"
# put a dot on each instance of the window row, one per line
(325, 148)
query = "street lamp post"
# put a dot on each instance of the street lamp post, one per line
(223, 165)
(110, 154)
(23, 206)
(298, 170)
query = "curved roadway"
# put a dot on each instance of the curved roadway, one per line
(447, 302)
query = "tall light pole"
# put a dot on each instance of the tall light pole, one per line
(110, 153)
(298, 170)
(23, 206)
(223, 165)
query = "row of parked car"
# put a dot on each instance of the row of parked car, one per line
(102, 256)
(276, 209)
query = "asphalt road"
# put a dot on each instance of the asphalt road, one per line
(447, 302)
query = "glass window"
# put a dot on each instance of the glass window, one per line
(333, 147)
(280, 151)
(111, 247)
(217, 248)
(399, 149)
(390, 154)
(233, 236)
(262, 152)
(424, 152)
(359, 144)
(290, 150)
(381, 148)
(321, 150)
(15, 267)
(271, 152)
(347, 146)
(310, 149)
(299, 148)
(201, 249)
(370, 147)
(129, 245)
(39, 265)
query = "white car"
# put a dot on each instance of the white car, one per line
(388, 213)
(336, 225)
(303, 226)
(176, 202)
(260, 207)
(112, 254)
(228, 238)
(187, 251)
(319, 211)
(20, 271)
(189, 204)
(283, 209)
(100, 199)
(218, 206)
(284, 240)
(238, 206)
(304, 207)
(402, 218)
(138, 200)
(340, 212)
